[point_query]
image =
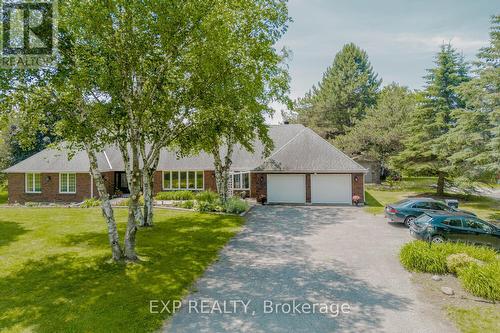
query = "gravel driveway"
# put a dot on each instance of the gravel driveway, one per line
(326, 256)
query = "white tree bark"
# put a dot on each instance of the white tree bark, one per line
(135, 216)
(107, 209)
(222, 167)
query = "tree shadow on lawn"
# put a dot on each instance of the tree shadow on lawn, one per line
(371, 201)
(10, 232)
(270, 261)
(72, 293)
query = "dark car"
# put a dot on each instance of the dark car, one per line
(438, 227)
(407, 210)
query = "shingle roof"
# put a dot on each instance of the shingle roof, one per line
(296, 148)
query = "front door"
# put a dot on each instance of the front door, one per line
(121, 182)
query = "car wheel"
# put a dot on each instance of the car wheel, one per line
(437, 239)
(409, 220)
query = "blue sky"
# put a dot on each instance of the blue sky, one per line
(401, 37)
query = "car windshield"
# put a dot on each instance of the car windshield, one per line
(401, 202)
(423, 219)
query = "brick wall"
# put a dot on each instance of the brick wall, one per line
(209, 179)
(50, 189)
(157, 182)
(358, 186)
(258, 185)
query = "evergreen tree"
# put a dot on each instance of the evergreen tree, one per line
(380, 134)
(475, 140)
(424, 152)
(347, 89)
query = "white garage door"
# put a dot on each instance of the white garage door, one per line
(286, 188)
(331, 189)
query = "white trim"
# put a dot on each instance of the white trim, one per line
(179, 188)
(67, 182)
(33, 182)
(107, 159)
(240, 173)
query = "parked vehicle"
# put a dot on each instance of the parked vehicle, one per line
(438, 227)
(407, 210)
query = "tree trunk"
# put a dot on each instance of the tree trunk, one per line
(150, 163)
(135, 216)
(222, 171)
(107, 209)
(148, 176)
(440, 184)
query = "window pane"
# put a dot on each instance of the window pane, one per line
(38, 182)
(191, 179)
(166, 179)
(245, 180)
(64, 183)
(454, 222)
(199, 180)
(29, 182)
(236, 181)
(72, 183)
(472, 223)
(183, 180)
(175, 179)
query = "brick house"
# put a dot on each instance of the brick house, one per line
(302, 168)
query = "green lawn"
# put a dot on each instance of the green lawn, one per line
(475, 320)
(377, 196)
(3, 197)
(55, 275)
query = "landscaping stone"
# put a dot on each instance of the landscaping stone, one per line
(447, 291)
(436, 278)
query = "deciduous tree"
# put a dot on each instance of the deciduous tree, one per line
(380, 134)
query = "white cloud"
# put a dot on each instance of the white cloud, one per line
(421, 42)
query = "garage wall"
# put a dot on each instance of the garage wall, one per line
(358, 187)
(258, 185)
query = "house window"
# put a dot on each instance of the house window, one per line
(241, 180)
(33, 183)
(67, 183)
(183, 180)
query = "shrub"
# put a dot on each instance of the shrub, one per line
(207, 196)
(89, 203)
(203, 206)
(419, 256)
(456, 262)
(33, 204)
(235, 205)
(482, 281)
(175, 195)
(188, 204)
(125, 202)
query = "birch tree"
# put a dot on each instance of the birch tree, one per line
(252, 75)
